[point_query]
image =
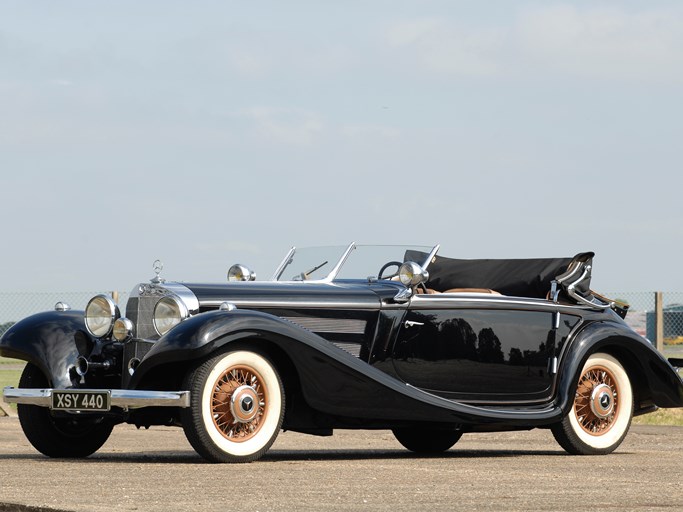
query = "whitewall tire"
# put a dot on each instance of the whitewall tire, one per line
(237, 407)
(602, 410)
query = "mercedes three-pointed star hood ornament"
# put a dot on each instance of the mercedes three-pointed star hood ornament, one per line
(158, 266)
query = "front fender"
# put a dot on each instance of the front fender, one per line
(47, 341)
(203, 334)
(652, 377)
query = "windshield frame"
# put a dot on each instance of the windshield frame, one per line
(332, 275)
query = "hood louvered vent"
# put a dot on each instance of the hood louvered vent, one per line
(329, 325)
(351, 348)
(336, 328)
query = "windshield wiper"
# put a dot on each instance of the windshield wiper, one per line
(304, 275)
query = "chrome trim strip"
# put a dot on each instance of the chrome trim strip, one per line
(570, 340)
(125, 398)
(553, 366)
(490, 406)
(445, 301)
(294, 303)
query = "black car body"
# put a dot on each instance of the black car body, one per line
(427, 346)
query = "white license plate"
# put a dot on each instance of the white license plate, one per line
(77, 400)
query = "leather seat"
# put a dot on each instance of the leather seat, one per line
(472, 290)
(430, 291)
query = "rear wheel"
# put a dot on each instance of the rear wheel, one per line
(237, 407)
(426, 440)
(602, 411)
(59, 436)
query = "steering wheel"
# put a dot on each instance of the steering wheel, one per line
(386, 266)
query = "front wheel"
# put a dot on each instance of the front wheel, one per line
(62, 437)
(426, 440)
(237, 407)
(602, 410)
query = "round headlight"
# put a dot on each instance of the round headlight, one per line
(100, 314)
(241, 273)
(123, 329)
(168, 313)
(412, 274)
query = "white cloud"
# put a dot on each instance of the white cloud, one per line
(558, 39)
(248, 63)
(292, 127)
(442, 46)
(604, 42)
(364, 131)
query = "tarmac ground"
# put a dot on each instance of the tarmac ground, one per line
(157, 470)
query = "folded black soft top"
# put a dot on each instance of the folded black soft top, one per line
(516, 277)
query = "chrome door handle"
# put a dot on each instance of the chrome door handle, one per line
(410, 323)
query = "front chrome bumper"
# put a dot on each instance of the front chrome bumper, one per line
(124, 398)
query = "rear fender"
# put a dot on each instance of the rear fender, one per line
(652, 377)
(47, 341)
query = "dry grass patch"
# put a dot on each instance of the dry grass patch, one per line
(661, 417)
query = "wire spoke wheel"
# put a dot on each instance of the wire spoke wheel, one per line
(237, 406)
(602, 410)
(239, 403)
(596, 404)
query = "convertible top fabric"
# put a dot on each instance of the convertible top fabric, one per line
(515, 277)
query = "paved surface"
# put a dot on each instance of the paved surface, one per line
(156, 470)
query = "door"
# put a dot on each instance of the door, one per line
(482, 351)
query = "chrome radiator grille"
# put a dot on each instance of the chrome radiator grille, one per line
(140, 311)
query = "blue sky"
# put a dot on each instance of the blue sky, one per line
(205, 133)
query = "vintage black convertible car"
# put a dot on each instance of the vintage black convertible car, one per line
(357, 337)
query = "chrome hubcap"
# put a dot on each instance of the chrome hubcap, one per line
(602, 402)
(244, 404)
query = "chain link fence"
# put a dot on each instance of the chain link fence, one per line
(641, 315)
(15, 306)
(640, 304)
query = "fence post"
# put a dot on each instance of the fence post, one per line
(659, 321)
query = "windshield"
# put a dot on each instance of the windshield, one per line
(346, 262)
